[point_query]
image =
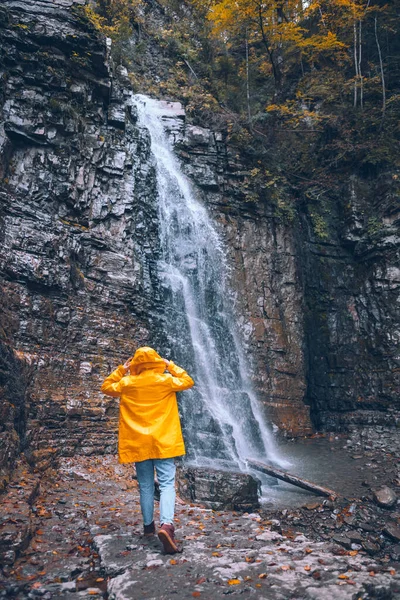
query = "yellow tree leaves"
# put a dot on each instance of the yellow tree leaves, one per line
(280, 27)
(114, 17)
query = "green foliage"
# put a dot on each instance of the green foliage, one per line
(114, 18)
(289, 96)
(320, 225)
(374, 226)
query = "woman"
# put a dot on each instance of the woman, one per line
(150, 432)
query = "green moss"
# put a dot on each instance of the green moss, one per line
(320, 226)
(374, 226)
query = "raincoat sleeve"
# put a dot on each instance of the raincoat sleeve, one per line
(112, 386)
(180, 379)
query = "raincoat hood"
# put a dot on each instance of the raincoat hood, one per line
(146, 358)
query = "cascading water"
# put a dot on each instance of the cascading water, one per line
(221, 417)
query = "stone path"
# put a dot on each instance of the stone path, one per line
(88, 544)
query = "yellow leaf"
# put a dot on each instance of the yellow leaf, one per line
(262, 576)
(353, 552)
(343, 576)
(172, 562)
(234, 581)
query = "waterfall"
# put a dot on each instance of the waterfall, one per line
(221, 416)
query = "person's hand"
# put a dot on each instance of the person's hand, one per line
(127, 364)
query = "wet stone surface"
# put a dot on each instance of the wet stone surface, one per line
(87, 542)
(218, 489)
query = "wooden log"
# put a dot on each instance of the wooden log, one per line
(293, 479)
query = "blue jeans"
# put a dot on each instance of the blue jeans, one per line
(165, 469)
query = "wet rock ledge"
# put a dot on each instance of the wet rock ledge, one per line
(218, 489)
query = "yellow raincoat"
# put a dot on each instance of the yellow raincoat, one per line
(149, 425)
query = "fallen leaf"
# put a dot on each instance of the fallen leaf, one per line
(372, 573)
(234, 581)
(285, 568)
(195, 594)
(262, 575)
(342, 576)
(216, 554)
(353, 552)
(308, 550)
(316, 575)
(201, 580)
(249, 559)
(307, 568)
(172, 562)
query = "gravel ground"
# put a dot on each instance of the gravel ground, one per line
(88, 543)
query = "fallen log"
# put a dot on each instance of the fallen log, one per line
(293, 479)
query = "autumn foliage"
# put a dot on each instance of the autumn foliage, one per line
(306, 89)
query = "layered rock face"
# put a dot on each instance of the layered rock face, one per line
(80, 235)
(15, 377)
(79, 245)
(264, 275)
(352, 299)
(78, 222)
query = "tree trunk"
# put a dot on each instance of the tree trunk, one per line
(381, 69)
(247, 79)
(293, 479)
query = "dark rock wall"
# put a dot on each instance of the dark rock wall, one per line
(78, 222)
(352, 307)
(79, 241)
(14, 383)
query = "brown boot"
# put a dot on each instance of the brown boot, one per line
(149, 529)
(167, 538)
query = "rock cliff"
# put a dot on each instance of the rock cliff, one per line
(352, 287)
(79, 242)
(78, 223)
